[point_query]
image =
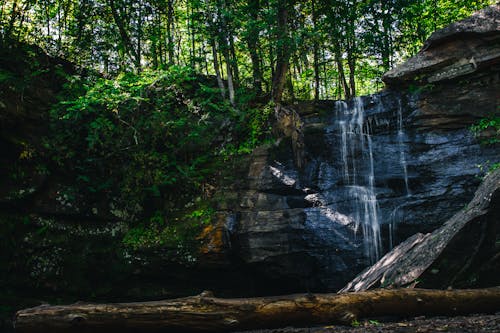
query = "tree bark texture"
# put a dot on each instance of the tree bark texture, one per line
(283, 51)
(205, 313)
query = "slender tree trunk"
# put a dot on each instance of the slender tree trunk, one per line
(272, 67)
(229, 70)
(290, 86)
(230, 82)
(234, 60)
(24, 13)
(325, 77)
(253, 44)
(12, 20)
(205, 60)
(59, 26)
(224, 38)
(191, 35)
(139, 39)
(161, 45)
(351, 52)
(170, 29)
(220, 82)
(315, 51)
(256, 73)
(352, 76)
(282, 52)
(193, 40)
(125, 37)
(340, 69)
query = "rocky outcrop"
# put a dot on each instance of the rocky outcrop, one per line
(462, 48)
(456, 73)
(464, 252)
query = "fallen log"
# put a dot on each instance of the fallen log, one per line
(206, 313)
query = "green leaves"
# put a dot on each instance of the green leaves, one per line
(489, 129)
(157, 134)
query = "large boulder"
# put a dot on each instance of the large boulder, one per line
(459, 49)
(463, 253)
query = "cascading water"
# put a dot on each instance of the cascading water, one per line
(358, 174)
(370, 180)
(402, 154)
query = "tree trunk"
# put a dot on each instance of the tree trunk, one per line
(352, 76)
(234, 59)
(205, 313)
(340, 68)
(315, 52)
(124, 34)
(230, 81)
(138, 53)
(224, 43)
(463, 252)
(220, 83)
(170, 31)
(190, 29)
(253, 44)
(282, 52)
(12, 20)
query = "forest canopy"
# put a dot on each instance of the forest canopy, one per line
(302, 49)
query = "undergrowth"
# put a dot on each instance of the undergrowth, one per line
(153, 143)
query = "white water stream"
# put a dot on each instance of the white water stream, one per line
(358, 174)
(402, 154)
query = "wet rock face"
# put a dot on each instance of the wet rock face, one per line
(463, 253)
(306, 227)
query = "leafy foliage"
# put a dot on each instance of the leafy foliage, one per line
(151, 141)
(338, 48)
(490, 124)
(488, 130)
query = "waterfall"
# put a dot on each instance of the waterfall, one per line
(402, 154)
(358, 174)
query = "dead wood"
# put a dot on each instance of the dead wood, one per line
(206, 313)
